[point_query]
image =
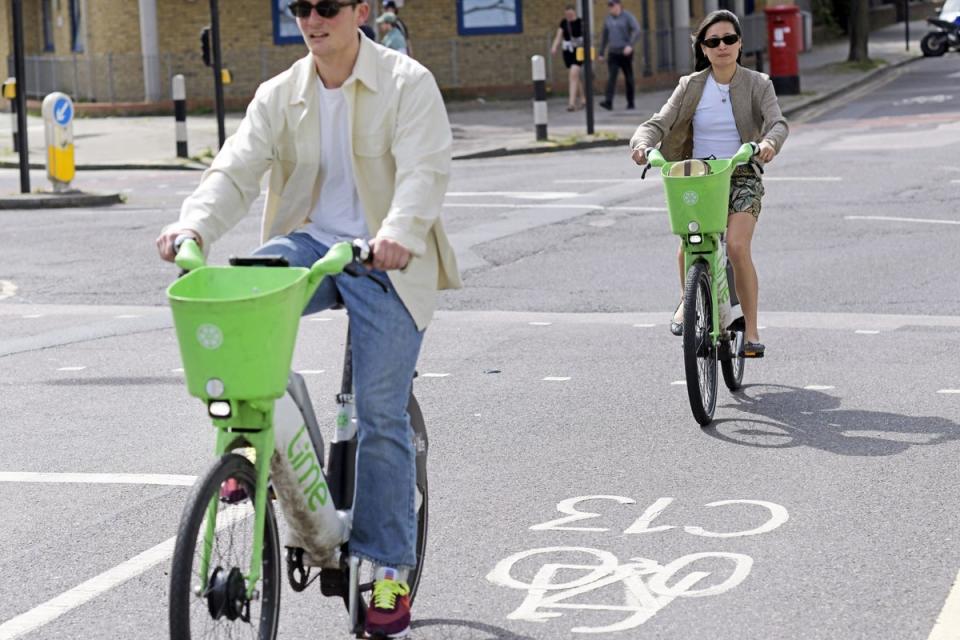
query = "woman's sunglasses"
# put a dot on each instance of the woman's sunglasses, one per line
(713, 43)
(324, 8)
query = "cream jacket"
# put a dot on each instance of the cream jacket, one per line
(755, 110)
(401, 147)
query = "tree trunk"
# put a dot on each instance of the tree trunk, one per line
(859, 27)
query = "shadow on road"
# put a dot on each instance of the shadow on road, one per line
(794, 417)
(451, 628)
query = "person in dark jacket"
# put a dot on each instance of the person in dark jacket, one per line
(620, 32)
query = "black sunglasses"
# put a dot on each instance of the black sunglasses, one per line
(324, 9)
(713, 43)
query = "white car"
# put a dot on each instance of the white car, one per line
(950, 10)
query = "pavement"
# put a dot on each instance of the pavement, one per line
(481, 128)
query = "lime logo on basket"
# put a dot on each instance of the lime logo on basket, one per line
(209, 336)
(691, 198)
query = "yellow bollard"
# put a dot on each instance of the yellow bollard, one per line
(57, 113)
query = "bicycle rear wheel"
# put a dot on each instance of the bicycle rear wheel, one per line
(421, 445)
(221, 609)
(699, 352)
(732, 364)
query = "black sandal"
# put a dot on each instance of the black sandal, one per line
(751, 350)
(676, 328)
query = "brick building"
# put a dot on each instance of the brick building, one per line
(127, 51)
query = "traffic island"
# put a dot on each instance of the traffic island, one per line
(60, 200)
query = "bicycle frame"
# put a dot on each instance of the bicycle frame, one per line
(711, 251)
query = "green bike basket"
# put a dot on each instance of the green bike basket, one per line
(238, 325)
(700, 198)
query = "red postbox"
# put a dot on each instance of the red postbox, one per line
(784, 41)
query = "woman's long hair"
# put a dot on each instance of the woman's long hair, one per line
(700, 60)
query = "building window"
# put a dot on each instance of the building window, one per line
(47, 25)
(76, 26)
(480, 17)
(285, 29)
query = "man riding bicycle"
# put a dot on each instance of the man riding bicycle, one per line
(357, 143)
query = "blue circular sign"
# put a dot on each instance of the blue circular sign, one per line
(63, 111)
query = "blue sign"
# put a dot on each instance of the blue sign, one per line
(63, 111)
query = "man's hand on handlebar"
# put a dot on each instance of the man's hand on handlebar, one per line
(388, 254)
(167, 239)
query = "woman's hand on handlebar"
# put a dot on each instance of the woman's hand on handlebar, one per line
(639, 156)
(166, 242)
(766, 152)
(389, 254)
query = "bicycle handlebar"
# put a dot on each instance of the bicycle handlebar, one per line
(745, 154)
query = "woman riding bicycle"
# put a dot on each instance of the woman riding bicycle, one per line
(710, 114)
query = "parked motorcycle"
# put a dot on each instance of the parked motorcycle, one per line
(946, 36)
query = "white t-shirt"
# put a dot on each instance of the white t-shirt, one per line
(338, 214)
(714, 128)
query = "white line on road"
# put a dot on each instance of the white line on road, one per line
(124, 316)
(819, 387)
(71, 368)
(7, 289)
(177, 370)
(98, 585)
(895, 219)
(34, 315)
(556, 378)
(866, 332)
(310, 372)
(319, 319)
(540, 324)
(677, 383)
(947, 626)
(528, 195)
(644, 325)
(948, 391)
(434, 375)
(99, 478)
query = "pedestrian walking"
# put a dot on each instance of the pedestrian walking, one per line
(391, 6)
(710, 114)
(620, 32)
(390, 34)
(570, 34)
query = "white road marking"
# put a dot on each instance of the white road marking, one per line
(99, 478)
(678, 382)
(948, 391)
(434, 375)
(310, 372)
(71, 368)
(526, 195)
(34, 315)
(818, 387)
(636, 208)
(955, 181)
(127, 315)
(540, 324)
(98, 585)
(7, 289)
(556, 378)
(947, 626)
(866, 332)
(644, 325)
(177, 370)
(319, 319)
(896, 219)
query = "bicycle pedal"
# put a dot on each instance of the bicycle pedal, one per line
(333, 583)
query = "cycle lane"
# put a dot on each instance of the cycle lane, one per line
(580, 437)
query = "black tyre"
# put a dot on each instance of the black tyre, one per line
(733, 364)
(699, 353)
(421, 444)
(934, 44)
(223, 610)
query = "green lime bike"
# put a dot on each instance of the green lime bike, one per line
(713, 330)
(237, 327)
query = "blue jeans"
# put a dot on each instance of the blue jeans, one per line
(386, 344)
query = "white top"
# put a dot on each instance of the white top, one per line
(338, 214)
(714, 129)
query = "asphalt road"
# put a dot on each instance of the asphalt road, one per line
(818, 505)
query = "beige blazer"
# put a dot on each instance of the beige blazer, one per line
(755, 110)
(401, 156)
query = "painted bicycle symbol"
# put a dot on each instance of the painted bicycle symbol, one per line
(648, 586)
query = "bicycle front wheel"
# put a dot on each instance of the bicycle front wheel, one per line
(212, 603)
(699, 351)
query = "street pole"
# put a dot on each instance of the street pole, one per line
(217, 69)
(21, 97)
(586, 16)
(906, 22)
